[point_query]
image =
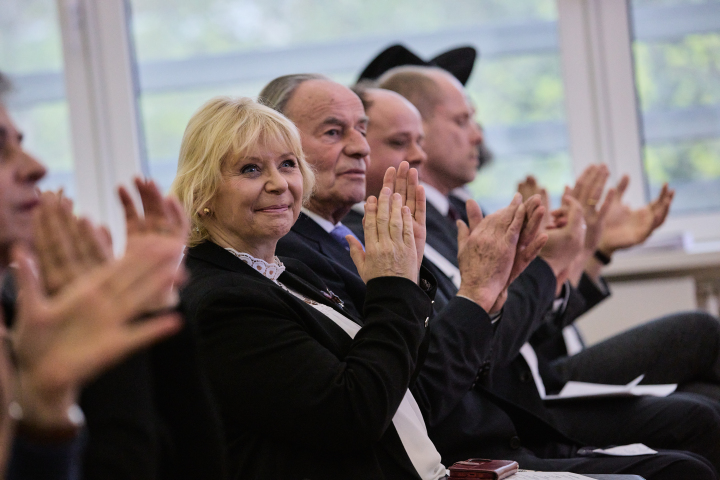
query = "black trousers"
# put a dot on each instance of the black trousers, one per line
(683, 348)
(682, 421)
(665, 465)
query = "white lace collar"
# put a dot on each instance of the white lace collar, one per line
(272, 271)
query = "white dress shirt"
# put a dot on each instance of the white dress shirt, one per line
(326, 225)
(436, 199)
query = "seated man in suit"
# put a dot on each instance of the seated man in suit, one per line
(693, 337)
(477, 421)
(649, 420)
(334, 142)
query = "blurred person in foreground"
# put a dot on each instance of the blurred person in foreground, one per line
(60, 342)
(329, 117)
(147, 417)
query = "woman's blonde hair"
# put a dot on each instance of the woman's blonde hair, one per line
(226, 128)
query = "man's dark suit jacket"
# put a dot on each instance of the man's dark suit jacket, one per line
(460, 340)
(298, 396)
(463, 418)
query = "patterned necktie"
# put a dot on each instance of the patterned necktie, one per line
(339, 233)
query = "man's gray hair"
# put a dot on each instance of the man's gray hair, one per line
(416, 84)
(278, 92)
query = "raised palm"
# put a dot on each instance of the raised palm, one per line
(625, 227)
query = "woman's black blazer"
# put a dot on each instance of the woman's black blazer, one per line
(298, 397)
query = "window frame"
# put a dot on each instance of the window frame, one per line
(596, 51)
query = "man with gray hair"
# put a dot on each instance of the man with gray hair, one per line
(333, 124)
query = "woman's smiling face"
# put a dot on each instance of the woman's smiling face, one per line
(258, 200)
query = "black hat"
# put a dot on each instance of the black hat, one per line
(458, 61)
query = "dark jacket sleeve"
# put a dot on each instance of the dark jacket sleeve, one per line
(278, 371)
(580, 300)
(461, 338)
(530, 297)
(46, 461)
(592, 294)
(464, 345)
(548, 339)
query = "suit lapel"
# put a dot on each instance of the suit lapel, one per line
(459, 205)
(328, 246)
(319, 293)
(442, 234)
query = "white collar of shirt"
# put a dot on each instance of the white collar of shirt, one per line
(462, 193)
(359, 207)
(326, 225)
(436, 199)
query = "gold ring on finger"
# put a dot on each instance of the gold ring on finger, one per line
(591, 202)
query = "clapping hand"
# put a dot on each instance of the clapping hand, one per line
(66, 246)
(588, 191)
(162, 215)
(163, 218)
(487, 248)
(412, 194)
(532, 239)
(87, 324)
(529, 187)
(566, 238)
(625, 227)
(389, 239)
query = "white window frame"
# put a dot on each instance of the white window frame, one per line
(601, 101)
(602, 105)
(101, 92)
